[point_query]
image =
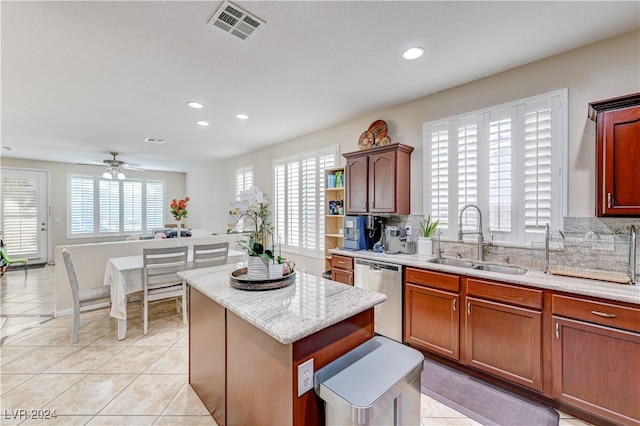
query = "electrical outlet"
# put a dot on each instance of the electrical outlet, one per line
(305, 377)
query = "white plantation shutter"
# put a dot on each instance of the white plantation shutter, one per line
(509, 161)
(113, 207)
(154, 205)
(81, 206)
(132, 206)
(244, 179)
(467, 141)
(299, 200)
(439, 147)
(20, 215)
(500, 187)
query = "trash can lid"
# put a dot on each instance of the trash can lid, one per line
(362, 376)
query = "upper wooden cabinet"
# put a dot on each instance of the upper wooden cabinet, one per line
(618, 155)
(379, 180)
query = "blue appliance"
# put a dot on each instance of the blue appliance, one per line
(354, 232)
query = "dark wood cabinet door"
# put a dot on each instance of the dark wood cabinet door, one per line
(505, 341)
(432, 320)
(597, 368)
(342, 276)
(382, 182)
(357, 185)
(619, 165)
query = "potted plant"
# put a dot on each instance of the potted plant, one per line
(427, 229)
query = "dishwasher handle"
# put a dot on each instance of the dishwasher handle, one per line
(377, 266)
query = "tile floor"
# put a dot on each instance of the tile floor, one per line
(141, 380)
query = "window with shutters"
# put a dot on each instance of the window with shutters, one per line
(100, 207)
(509, 160)
(298, 200)
(244, 179)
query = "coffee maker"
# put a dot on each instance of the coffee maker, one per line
(374, 227)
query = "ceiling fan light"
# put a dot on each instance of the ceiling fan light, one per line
(107, 174)
(121, 175)
(413, 53)
(194, 104)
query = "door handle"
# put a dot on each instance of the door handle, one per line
(557, 331)
(603, 314)
(454, 305)
(468, 308)
(609, 200)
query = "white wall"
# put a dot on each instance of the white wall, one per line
(175, 188)
(595, 72)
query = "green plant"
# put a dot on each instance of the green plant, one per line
(428, 227)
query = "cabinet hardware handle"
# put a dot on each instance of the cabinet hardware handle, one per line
(454, 305)
(557, 331)
(468, 308)
(609, 200)
(603, 314)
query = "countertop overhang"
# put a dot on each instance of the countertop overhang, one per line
(287, 314)
(532, 278)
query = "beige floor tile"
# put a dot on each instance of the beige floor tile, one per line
(38, 337)
(185, 421)
(132, 360)
(161, 337)
(85, 360)
(11, 353)
(183, 341)
(91, 394)
(122, 420)
(174, 361)
(86, 336)
(148, 394)
(39, 391)
(39, 360)
(429, 407)
(111, 338)
(59, 420)
(10, 381)
(186, 402)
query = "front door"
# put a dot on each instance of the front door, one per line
(24, 216)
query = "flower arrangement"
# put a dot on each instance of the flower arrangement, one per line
(179, 208)
(251, 210)
(428, 227)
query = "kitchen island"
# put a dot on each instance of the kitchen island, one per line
(245, 346)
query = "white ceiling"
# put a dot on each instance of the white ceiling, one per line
(83, 78)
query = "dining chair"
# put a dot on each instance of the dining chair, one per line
(205, 255)
(82, 298)
(8, 262)
(160, 266)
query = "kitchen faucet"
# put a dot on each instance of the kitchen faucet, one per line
(547, 237)
(440, 251)
(632, 254)
(479, 231)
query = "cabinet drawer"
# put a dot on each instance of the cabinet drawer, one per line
(343, 262)
(597, 312)
(433, 279)
(527, 297)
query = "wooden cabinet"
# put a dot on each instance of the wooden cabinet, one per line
(617, 155)
(596, 357)
(333, 222)
(342, 269)
(379, 180)
(431, 313)
(503, 331)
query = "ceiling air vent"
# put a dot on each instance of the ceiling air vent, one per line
(236, 21)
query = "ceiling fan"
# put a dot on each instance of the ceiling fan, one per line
(114, 167)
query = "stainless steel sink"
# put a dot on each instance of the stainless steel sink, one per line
(500, 269)
(489, 267)
(451, 262)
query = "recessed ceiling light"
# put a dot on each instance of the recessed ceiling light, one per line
(413, 53)
(202, 123)
(155, 141)
(193, 104)
(242, 116)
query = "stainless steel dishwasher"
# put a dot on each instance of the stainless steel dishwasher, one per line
(385, 278)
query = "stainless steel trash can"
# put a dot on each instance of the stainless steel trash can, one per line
(377, 383)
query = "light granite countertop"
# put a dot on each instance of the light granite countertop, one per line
(538, 279)
(287, 314)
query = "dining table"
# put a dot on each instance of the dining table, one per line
(125, 274)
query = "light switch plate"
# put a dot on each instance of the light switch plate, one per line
(305, 377)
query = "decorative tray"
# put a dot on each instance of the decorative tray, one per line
(239, 280)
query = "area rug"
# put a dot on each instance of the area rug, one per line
(481, 401)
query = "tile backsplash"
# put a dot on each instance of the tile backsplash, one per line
(585, 242)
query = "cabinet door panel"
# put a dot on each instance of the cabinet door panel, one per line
(357, 185)
(597, 368)
(432, 320)
(382, 182)
(505, 341)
